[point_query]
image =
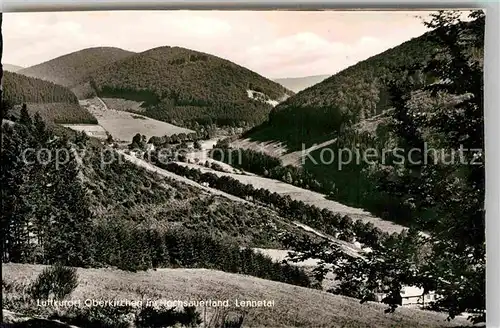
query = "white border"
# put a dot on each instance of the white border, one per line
(492, 90)
(492, 160)
(68, 5)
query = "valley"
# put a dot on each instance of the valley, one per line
(130, 191)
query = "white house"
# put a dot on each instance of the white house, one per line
(413, 296)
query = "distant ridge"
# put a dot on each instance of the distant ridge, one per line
(297, 84)
(11, 68)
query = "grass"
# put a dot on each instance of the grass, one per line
(123, 125)
(293, 306)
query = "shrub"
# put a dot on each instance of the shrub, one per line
(98, 317)
(57, 280)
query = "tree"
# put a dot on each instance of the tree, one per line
(109, 137)
(451, 260)
(24, 117)
(138, 142)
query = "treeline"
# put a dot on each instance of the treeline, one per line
(46, 217)
(20, 89)
(246, 159)
(44, 207)
(127, 247)
(174, 139)
(341, 227)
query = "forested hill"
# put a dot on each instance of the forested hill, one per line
(22, 89)
(184, 86)
(357, 92)
(69, 70)
(55, 103)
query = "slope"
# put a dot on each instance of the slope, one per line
(183, 86)
(70, 69)
(318, 113)
(55, 103)
(293, 306)
(297, 84)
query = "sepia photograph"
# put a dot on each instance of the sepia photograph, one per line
(230, 169)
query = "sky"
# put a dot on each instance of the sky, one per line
(275, 44)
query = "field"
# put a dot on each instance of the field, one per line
(277, 149)
(124, 125)
(307, 196)
(93, 130)
(293, 306)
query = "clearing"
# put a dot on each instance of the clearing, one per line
(124, 125)
(277, 149)
(293, 306)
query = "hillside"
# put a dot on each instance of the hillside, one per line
(22, 89)
(297, 84)
(71, 69)
(11, 68)
(293, 306)
(316, 114)
(183, 86)
(55, 103)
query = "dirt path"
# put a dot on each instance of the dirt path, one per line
(165, 173)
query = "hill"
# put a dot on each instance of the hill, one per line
(350, 113)
(317, 114)
(11, 68)
(183, 86)
(22, 89)
(297, 84)
(55, 103)
(71, 69)
(293, 306)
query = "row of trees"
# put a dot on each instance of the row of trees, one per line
(332, 223)
(180, 138)
(129, 247)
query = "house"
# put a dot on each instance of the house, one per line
(150, 147)
(413, 296)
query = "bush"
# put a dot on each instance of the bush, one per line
(98, 317)
(57, 281)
